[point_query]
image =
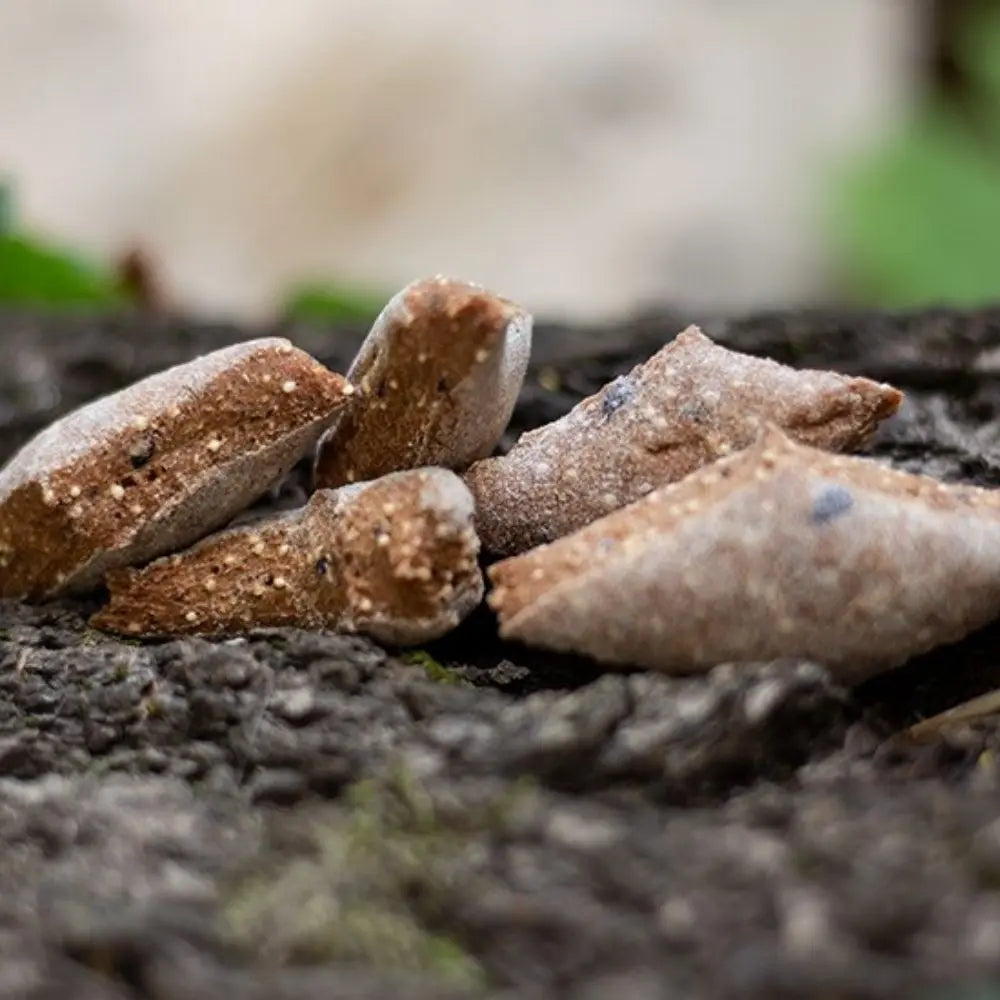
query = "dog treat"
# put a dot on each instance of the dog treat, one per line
(395, 559)
(688, 405)
(781, 550)
(438, 374)
(156, 466)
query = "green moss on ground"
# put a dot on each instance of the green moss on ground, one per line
(434, 670)
(369, 881)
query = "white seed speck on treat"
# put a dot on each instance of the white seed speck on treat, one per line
(284, 549)
(280, 583)
(48, 497)
(364, 605)
(288, 387)
(422, 357)
(140, 423)
(393, 384)
(174, 412)
(481, 355)
(388, 509)
(257, 548)
(135, 509)
(349, 390)
(214, 445)
(257, 590)
(74, 491)
(230, 560)
(210, 583)
(191, 616)
(117, 490)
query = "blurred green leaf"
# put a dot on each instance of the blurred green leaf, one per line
(920, 220)
(979, 53)
(34, 274)
(326, 302)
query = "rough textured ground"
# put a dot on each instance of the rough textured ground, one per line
(306, 815)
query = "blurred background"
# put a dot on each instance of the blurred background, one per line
(245, 158)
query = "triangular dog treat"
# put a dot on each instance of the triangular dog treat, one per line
(688, 405)
(438, 375)
(159, 464)
(779, 551)
(395, 559)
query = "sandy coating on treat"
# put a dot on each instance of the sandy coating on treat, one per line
(690, 404)
(779, 551)
(395, 559)
(438, 377)
(159, 464)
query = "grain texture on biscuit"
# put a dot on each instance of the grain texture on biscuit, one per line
(395, 559)
(157, 465)
(779, 551)
(690, 404)
(438, 377)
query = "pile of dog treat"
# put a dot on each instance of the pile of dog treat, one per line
(695, 511)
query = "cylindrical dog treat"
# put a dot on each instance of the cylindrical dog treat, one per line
(688, 405)
(779, 551)
(159, 464)
(438, 377)
(395, 559)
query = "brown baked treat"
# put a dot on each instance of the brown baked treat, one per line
(394, 558)
(688, 405)
(159, 464)
(779, 551)
(439, 375)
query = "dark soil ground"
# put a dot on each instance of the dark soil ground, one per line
(297, 815)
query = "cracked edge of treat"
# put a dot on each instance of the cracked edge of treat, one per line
(439, 372)
(396, 559)
(118, 480)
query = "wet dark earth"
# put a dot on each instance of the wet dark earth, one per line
(293, 814)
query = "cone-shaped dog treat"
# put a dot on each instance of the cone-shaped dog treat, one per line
(156, 466)
(438, 374)
(394, 558)
(779, 551)
(687, 406)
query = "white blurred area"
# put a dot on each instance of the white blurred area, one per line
(582, 156)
